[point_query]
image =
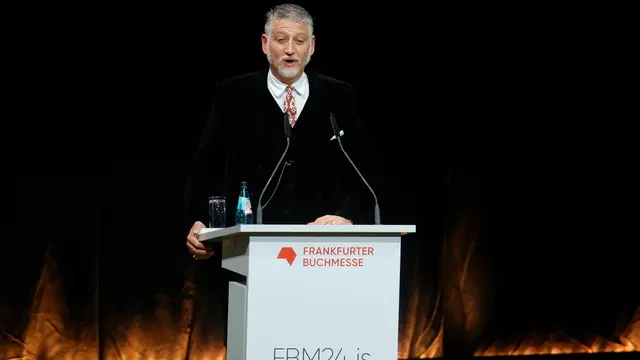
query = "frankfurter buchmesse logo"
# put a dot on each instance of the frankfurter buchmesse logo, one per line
(288, 254)
(332, 256)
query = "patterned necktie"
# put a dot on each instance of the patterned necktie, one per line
(290, 105)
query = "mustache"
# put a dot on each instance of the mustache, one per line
(289, 58)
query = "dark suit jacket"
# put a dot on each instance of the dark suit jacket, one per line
(244, 139)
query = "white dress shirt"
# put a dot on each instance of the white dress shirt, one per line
(300, 93)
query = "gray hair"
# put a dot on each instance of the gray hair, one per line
(289, 12)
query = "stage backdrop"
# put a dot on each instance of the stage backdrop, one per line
(531, 100)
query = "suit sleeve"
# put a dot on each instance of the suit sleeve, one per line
(358, 204)
(206, 172)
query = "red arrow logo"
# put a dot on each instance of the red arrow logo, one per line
(288, 254)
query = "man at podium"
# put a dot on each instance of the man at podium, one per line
(244, 138)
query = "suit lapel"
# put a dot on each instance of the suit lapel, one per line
(312, 106)
(313, 100)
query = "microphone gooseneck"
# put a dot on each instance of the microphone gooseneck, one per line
(336, 132)
(287, 134)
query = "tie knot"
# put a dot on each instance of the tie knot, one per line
(290, 88)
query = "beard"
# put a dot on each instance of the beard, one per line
(286, 71)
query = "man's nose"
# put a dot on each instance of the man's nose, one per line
(289, 49)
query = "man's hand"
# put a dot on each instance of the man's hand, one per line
(199, 250)
(330, 220)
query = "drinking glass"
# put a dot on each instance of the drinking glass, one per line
(217, 212)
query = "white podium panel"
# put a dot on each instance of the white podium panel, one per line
(312, 292)
(323, 298)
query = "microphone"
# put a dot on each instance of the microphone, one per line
(336, 132)
(287, 128)
(287, 134)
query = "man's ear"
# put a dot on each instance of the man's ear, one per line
(313, 44)
(265, 43)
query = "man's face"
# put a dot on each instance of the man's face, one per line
(288, 48)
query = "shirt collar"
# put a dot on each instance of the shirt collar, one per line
(300, 86)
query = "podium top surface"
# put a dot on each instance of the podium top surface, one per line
(312, 230)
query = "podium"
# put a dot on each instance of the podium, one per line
(312, 292)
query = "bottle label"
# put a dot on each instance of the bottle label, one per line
(244, 204)
(247, 207)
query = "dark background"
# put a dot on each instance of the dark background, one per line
(530, 102)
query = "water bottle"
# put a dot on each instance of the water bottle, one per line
(244, 214)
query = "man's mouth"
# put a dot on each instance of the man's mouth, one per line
(290, 62)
